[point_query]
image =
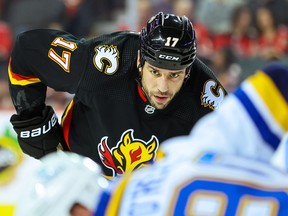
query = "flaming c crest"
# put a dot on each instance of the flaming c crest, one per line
(129, 154)
(106, 59)
(212, 98)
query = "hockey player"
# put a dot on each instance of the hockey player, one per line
(251, 121)
(132, 91)
(213, 184)
(65, 184)
(207, 182)
(14, 169)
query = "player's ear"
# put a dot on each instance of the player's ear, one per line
(138, 61)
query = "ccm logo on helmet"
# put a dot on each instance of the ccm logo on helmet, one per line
(40, 130)
(167, 57)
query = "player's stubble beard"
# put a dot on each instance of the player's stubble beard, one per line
(150, 94)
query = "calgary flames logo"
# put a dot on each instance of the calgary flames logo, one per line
(106, 59)
(211, 96)
(129, 154)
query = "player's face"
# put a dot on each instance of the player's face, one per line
(161, 85)
(79, 210)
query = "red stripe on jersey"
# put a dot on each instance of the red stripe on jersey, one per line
(21, 77)
(17, 79)
(66, 122)
(141, 94)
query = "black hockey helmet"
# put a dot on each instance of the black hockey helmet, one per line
(168, 41)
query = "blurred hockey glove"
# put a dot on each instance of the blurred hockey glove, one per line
(39, 135)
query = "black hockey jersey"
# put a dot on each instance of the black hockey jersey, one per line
(109, 119)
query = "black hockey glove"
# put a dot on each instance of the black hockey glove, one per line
(40, 135)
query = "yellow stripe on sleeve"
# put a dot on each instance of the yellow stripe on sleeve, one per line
(272, 97)
(7, 210)
(114, 203)
(22, 82)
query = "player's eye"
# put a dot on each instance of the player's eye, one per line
(174, 75)
(154, 72)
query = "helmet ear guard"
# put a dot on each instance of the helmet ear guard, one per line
(168, 41)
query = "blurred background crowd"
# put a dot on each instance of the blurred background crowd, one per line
(235, 37)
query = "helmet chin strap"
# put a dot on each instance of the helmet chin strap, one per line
(188, 71)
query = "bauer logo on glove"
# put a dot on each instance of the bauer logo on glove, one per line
(40, 130)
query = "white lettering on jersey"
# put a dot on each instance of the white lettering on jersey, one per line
(63, 60)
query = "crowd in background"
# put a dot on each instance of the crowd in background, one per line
(233, 36)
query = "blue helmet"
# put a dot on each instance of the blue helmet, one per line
(168, 41)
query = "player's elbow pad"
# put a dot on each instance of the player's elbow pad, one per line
(40, 135)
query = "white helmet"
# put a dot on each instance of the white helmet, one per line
(64, 180)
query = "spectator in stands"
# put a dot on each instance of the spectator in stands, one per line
(162, 5)
(242, 36)
(278, 9)
(204, 41)
(6, 41)
(224, 63)
(24, 15)
(144, 12)
(82, 17)
(272, 40)
(215, 14)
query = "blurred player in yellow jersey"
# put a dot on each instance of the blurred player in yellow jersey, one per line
(212, 184)
(14, 168)
(251, 121)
